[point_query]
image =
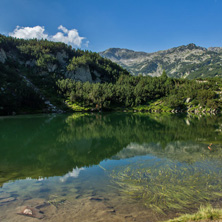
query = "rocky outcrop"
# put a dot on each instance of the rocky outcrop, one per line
(3, 56)
(30, 63)
(215, 49)
(52, 67)
(97, 76)
(62, 57)
(84, 74)
(80, 74)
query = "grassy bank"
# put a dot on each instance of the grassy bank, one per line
(205, 214)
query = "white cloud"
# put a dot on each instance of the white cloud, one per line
(65, 30)
(70, 37)
(29, 32)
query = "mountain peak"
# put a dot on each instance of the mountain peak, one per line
(192, 46)
(187, 61)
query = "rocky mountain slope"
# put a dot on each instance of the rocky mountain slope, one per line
(187, 61)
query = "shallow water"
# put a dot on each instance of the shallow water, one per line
(108, 167)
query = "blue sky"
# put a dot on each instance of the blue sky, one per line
(141, 25)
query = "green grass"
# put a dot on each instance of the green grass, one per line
(207, 213)
(166, 185)
(76, 107)
(153, 106)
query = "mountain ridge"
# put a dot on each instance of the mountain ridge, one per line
(186, 61)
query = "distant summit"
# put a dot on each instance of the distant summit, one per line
(186, 61)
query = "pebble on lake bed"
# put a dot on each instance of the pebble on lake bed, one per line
(27, 211)
(31, 212)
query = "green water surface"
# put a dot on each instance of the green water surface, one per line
(165, 163)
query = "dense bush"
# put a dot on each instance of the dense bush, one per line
(131, 91)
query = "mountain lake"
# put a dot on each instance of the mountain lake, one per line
(108, 166)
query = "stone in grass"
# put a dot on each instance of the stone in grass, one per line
(32, 212)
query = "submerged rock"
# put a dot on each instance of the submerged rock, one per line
(6, 200)
(31, 212)
(96, 199)
(28, 212)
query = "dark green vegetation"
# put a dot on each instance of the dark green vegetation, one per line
(29, 70)
(145, 94)
(43, 76)
(187, 61)
(15, 94)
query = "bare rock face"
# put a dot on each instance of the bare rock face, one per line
(97, 77)
(215, 49)
(51, 67)
(61, 57)
(158, 72)
(30, 63)
(3, 56)
(82, 74)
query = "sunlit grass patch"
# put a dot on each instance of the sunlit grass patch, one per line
(207, 213)
(77, 107)
(152, 106)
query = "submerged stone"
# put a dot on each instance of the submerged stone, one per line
(32, 212)
(6, 200)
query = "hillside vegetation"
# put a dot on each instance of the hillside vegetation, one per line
(152, 94)
(43, 76)
(30, 69)
(187, 61)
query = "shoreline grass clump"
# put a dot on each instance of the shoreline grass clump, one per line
(205, 213)
(164, 185)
